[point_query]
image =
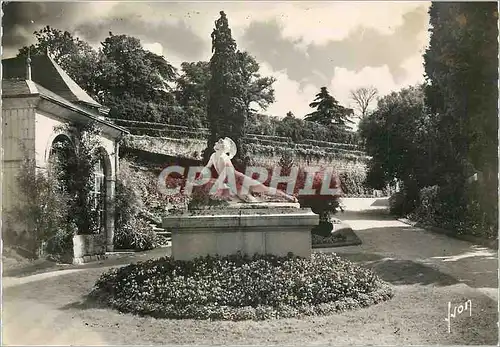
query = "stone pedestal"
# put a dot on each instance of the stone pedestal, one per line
(260, 228)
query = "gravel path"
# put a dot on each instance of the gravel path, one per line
(426, 270)
(474, 265)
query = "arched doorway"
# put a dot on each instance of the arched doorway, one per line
(61, 150)
(93, 210)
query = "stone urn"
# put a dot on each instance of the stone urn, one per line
(325, 206)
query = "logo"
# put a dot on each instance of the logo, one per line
(305, 182)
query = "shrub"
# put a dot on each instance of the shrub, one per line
(286, 162)
(239, 287)
(42, 210)
(429, 208)
(439, 206)
(353, 182)
(397, 204)
(137, 234)
(128, 201)
(330, 239)
(201, 197)
(481, 216)
(60, 246)
(132, 230)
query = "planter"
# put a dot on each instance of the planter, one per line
(324, 206)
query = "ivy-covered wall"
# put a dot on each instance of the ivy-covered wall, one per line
(261, 152)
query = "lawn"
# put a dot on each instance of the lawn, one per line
(51, 312)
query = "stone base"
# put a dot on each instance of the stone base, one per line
(87, 248)
(89, 258)
(249, 230)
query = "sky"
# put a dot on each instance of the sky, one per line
(304, 45)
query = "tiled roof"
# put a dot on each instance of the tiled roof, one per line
(47, 73)
(15, 88)
(59, 99)
(75, 89)
(18, 87)
(83, 110)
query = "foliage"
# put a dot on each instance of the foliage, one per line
(461, 65)
(42, 208)
(481, 218)
(201, 198)
(468, 109)
(353, 182)
(193, 88)
(75, 56)
(138, 204)
(291, 127)
(262, 124)
(136, 234)
(363, 97)
(76, 161)
(327, 240)
(329, 112)
(429, 209)
(135, 84)
(130, 76)
(435, 138)
(131, 81)
(258, 90)
(127, 68)
(128, 200)
(238, 287)
(59, 247)
(183, 132)
(286, 162)
(397, 204)
(399, 136)
(469, 216)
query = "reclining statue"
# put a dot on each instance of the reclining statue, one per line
(225, 150)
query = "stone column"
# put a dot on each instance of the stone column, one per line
(110, 213)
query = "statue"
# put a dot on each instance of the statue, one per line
(225, 150)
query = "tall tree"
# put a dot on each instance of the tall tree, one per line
(193, 86)
(122, 75)
(226, 106)
(193, 83)
(461, 66)
(128, 69)
(332, 115)
(262, 124)
(192, 89)
(134, 82)
(363, 97)
(328, 111)
(258, 89)
(400, 137)
(292, 127)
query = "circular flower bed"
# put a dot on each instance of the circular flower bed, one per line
(332, 239)
(240, 288)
